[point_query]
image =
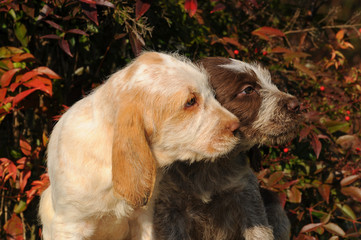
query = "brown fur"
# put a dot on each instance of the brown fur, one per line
(133, 164)
(221, 200)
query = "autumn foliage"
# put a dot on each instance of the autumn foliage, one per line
(52, 52)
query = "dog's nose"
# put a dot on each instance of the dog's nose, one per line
(293, 105)
(234, 126)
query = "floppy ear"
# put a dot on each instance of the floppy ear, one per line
(133, 164)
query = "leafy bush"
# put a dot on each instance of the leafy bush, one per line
(54, 51)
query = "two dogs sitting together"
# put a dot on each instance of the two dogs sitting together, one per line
(159, 152)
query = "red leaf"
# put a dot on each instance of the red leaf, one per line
(350, 179)
(65, 46)
(266, 32)
(48, 72)
(91, 11)
(316, 145)
(24, 180)
(51, 36)
(274, 178)
(294, 195)
(14, 85)
(218, 7)
(27, 76)
(14, 228)
(43, 84)
(191, 7)
(54, 25)
(304, 133)
(141, 7)
(353, 192)
(22, 57)
(22, 162)
(12, 170)
(324, 190)
(25, 147)
(311, 227)
(77, 31)
(22, 95)
(280, 50)
(2, 94)
(7, 76)
(88, 1)
(233, 42)
(38, 186)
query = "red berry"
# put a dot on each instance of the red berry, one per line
(347, 118)
(264, 53)
(236, 52)
(357, 149)
(322, 88)
(285, 150)
(256, 50)
(348, 112)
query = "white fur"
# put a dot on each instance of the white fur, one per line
(80, 202)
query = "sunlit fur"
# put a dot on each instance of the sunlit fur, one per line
(104, 152)
(221, 200)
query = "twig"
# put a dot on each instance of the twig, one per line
(24, 229)
(324, 27)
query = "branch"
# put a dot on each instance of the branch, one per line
(324, 27)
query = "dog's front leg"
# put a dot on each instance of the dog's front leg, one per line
(255, 223)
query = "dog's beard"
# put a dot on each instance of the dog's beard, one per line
(274, 132)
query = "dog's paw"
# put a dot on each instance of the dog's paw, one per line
(259, 233)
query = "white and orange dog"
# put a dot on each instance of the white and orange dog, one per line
(104, 152)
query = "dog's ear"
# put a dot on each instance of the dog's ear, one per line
(133, 164)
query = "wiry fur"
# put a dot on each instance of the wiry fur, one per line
(221, 200)
(104, 152)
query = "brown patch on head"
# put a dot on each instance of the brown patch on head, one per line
(150, 58)
(130, 71)
(229, 87)
(267, 115)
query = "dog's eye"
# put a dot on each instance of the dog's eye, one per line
(246, 91)
(191, 102)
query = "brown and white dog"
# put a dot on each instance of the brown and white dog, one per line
(221, 200)
(104, 152)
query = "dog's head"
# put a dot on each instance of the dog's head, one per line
(267, 115)
(165, 110)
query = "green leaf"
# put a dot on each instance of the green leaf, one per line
(347, 211)
(7, 107)
(20, 207)
(21, 34)
(335, 229)
(6, 52)
(334, 126)
(15, 154)
(3, 66)
(12, 14)
(319, 214)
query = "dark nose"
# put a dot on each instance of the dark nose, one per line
(234, 126)
(293, 105)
